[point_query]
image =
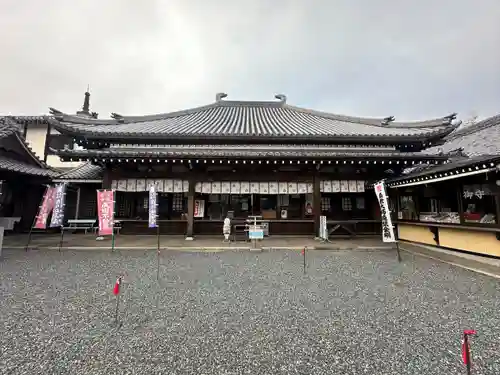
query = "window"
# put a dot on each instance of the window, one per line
(178, 202)
(346, 204)
(479, 204)
(439, 203)
(408, 208)
(325, 204)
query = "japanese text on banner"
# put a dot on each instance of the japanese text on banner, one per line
(153, 201)
(45, 208)
(105, 208)
(385, 214)
(59, 194)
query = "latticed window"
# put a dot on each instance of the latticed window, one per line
(178, 202)
(346, 204)
(325, 204)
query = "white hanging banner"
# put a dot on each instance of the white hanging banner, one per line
(385, 214)
(323, 231)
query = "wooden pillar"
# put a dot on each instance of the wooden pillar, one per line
(460, 202)
(77, 208)
(190, 209)
(106, 178)
(316, 203)
(497, 206)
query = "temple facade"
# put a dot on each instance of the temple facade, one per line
(285, 164)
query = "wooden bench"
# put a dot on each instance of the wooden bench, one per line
(80, 224)
(117, 226)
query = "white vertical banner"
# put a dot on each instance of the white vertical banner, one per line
(153, 207)
(323, 231)
(385, 214)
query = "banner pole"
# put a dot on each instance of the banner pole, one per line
(62, 238)
(35, 219)
(158, 251)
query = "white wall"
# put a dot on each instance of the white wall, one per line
(35, 136)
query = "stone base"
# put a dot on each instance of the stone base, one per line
(189, 238)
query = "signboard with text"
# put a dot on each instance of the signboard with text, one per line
(385, 214)
(153, 207)
(105, 211)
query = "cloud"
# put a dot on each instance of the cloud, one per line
(414, 60)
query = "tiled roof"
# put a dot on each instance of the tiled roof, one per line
(478, 139)
(245, 151)
(241, 120)
(87, 171)
(12, 165)
(482, 162)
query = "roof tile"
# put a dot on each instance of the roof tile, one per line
(86, 171)
(251, 119)
(482, 138)
(24, 168)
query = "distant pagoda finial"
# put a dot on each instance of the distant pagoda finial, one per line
(86, 105)
(86, 101)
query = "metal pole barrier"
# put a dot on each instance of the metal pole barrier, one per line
(62, 238)
(158, 251)
(304, 253)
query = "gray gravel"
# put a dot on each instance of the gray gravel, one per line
(354, 312)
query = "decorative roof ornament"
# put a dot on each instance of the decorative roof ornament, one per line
(219, 96)
(388, 120)
(450, 117)
(281, 97)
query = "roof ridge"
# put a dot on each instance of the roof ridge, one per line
(385, 122)
(481, 125)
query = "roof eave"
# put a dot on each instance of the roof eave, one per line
(282, 138)
(475, 165)
(97, 154)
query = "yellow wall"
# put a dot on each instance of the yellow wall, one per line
(416, 233)
(473, 241)
(460, 239)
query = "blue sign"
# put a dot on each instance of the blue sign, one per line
(256, 233)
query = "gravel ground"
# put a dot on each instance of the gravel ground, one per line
(354, 312)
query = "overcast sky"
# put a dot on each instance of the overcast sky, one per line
(412, 59)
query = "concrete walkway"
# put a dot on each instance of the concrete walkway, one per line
(477, 263)
(148, 242)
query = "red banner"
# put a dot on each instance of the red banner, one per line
(105, 211)
(45, 208)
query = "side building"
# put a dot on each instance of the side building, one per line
(287, 164)
(455, 205)
(23, 178)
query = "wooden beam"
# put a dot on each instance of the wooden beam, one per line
(190, 202)
(316, 203)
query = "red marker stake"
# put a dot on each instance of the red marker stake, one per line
(466, 349)
(116, 292)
